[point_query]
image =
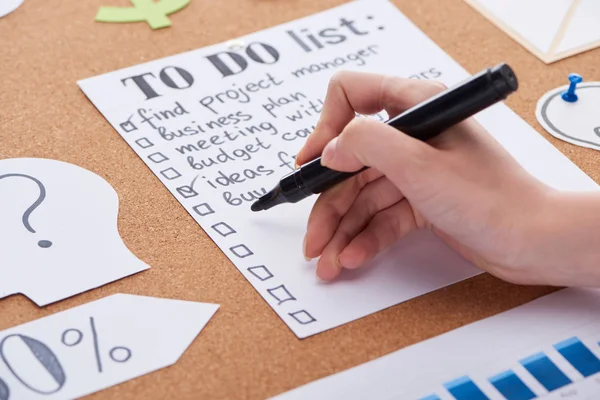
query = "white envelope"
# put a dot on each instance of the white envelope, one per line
(550, 29)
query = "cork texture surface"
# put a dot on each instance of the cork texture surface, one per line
(246, 351)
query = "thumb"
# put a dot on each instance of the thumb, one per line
(365, 142)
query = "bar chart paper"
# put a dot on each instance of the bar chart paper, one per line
(545, 349)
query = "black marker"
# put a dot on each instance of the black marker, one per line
(423, 122)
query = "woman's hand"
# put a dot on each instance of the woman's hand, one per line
(463, 185)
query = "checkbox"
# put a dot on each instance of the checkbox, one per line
(241, 251)
(144, 143)
(158, 157)
(261, 272)
(186, 191)
(303, 317)
(223, 229)
(203, 209)
(170, 173)
(281, 294)
(128, 126)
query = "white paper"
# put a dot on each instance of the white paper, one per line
(266, 246)
(480, 351)
(8, 6)
(58, 231)
(551, 29)
(97, 345)
(577, 123)
(584, 26)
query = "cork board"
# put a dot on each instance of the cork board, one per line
(46, 46)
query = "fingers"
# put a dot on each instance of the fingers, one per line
(387, 227)
(328, 210)
(364, 142)
(353, 92)
(376, 196)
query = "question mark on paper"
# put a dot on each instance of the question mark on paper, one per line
(42, 243)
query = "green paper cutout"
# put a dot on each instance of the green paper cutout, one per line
(154, 13)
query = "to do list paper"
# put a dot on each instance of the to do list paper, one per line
(220, 125)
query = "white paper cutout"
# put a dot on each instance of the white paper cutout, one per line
(577, 123)
(58, 231)
(97, 345)
(550, 29)
(266, 246)
(8, 6)
(482, 351)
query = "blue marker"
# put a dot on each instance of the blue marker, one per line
(570, 95)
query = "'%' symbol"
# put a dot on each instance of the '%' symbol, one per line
(73, 337)
(20, 353)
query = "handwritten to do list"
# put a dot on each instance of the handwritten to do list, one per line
(220, 125)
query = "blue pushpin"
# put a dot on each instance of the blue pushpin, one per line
(570, 95)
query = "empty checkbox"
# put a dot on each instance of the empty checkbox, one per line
(223, 229)
(261, 272)
(203, 209)
(302, 317)
(144, 143)
(241, 251)
(281, 294)
(170, 173)
(158, 157)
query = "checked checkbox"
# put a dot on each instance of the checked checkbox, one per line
(186, 191)
(128, 126)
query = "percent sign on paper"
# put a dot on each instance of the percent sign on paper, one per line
(17, 347)
(72, 337)
(96, 345)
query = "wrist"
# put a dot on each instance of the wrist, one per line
(564, 238)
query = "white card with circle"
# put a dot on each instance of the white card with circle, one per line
(8, 6)
(97, 345)
(58, 231)
(578, 122)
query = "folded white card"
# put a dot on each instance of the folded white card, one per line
(550, 29)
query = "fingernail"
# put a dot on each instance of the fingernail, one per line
(304, 249)
(329, 152)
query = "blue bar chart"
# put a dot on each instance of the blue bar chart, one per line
(430, 397)
(547, 349)
(545, 371)
(464, 388)
(579, 356)
(511, 386)
(539, 366)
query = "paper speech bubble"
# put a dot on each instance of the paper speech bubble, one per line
(578, 122)
(58, 231)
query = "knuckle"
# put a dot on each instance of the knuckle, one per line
(369, 204)
(338, 78)
(361, 181)
(357, 127)
(406, 92)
